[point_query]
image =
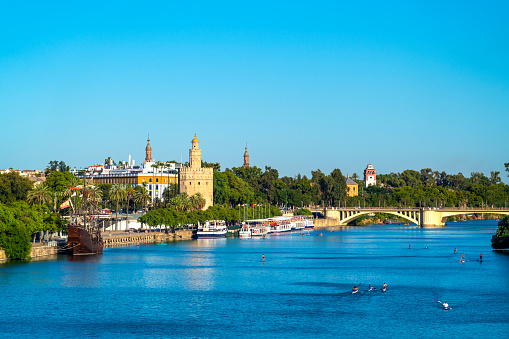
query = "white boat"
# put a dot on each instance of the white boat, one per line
(298, 223)
(245, 231)
(254, 228)
(212, 229)
(309, 222)
(280, 225)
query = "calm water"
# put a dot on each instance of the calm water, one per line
(221, 288)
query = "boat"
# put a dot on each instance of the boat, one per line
(84, 234)
(245, 231)
(256, 228)
(309, 222)
(280, 225)
(212, 229)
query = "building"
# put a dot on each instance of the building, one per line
(196, 179)
(156, 175)
(352, 188)
(246, 158)
(370, 175)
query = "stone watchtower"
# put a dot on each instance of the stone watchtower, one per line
(246, 159)
(195, 179)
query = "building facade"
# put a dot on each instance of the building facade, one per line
(156, 175)
(196, 179)
(370, 175)
(352, 188)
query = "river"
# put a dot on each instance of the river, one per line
(222, 288)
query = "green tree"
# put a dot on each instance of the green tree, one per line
(40, 194)
(13, 187)
(142, 196)
(117, 194)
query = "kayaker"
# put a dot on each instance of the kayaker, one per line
(355, 289)
(371, 288)
(263, 257)
(455, 251)
(384, 287)
(445, 304)
(480, 257)
(462, 258)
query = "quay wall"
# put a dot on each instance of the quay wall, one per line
(130, 239)
(326, 222)
(36, 252)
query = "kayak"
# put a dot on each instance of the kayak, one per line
(355, 291)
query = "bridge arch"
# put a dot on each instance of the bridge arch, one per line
(353, 216)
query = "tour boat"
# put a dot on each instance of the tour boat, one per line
(212, 229)
(280, 225)
(254, 228)
(245, 231)
(309, 221)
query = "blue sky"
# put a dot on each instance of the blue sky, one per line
(307, 85)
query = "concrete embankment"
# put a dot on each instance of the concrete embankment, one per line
(36, 252)
(123, 239)
(327, 222)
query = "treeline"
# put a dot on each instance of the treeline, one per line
(20, 221)
(172, 217)
(250, 185)
(410, 188)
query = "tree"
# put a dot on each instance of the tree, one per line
(215, 165)
(128, 194)
(495, 178)
(117, 194)
(141, 195)
(56, 166)
(197, 201)
(40, 194)
(355, 176)
(13, 187)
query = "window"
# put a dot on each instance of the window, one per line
(189, 183)
(157, 180)
(198, 182)
(149, 180)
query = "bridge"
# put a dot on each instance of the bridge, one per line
(424, 217)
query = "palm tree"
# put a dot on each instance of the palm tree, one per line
(355, 176)
(197, 201)
(154, 169)
(129, 193)
(141, 195)
(117, 194)
(41, 194)
(181, 202)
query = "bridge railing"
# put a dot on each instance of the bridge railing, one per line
(489, 209)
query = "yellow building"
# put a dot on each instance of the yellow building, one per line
(155, 175)
(352, 188)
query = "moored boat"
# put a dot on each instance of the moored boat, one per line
(212, 229)
(83, 233)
